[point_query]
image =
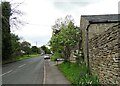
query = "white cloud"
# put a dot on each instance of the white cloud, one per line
(41, 15)
(104, 7)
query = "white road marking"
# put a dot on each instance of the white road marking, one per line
(6, 73)
(21, 65)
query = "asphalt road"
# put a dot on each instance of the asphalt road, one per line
(29, 71)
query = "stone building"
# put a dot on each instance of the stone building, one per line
(101, 46)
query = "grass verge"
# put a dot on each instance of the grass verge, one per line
(19, 58)
(77, 74)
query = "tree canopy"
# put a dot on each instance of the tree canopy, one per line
(45, 49)
(10, 42)
(66, 39)
(6, 37)
(35, 49)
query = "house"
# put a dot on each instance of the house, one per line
(100, 43)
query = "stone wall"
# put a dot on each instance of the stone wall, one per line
(83, 25)
(0, 44)
(97, 29)
(104, 49)
(0, 38)
(72, 56)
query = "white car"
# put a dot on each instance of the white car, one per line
(46, 57)
(60, 59)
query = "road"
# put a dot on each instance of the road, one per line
(29, 71)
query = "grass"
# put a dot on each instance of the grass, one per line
(26, 56)
(19, 58)
(77, 74)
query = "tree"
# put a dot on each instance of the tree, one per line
(67, 38)
(6, 37)
(15, 21)
(45, 49)
(59, 23)
(9, 19)
(16, 51)
(25, 46)
(34, 49)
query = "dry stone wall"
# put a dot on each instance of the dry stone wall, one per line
(104, 55)
(83, 25)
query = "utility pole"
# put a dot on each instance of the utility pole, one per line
(36, 43)
(37, 47)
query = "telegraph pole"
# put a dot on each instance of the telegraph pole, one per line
(36, 43)
(36, 46)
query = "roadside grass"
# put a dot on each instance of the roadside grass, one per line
(77, 75)
(19, 58)
(26, 56)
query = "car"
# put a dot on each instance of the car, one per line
(59, 59)
(46, 57)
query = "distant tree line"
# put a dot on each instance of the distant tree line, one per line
(22, 48)
(46, 49)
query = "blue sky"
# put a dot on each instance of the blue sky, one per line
(41, 15)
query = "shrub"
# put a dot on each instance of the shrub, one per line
(55, 56)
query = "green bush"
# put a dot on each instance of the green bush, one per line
(55, 56)
(77, 74)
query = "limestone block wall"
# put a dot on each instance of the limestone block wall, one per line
(72, 56)
(0, 44)
(97, 29)
(83, 25)
(104, 49)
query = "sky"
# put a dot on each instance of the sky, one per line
(40, 15)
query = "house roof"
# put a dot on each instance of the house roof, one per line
(110, 18)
